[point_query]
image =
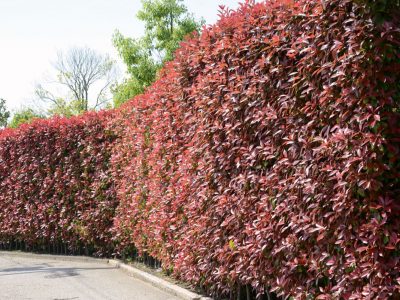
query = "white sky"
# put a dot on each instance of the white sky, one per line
(32, 31)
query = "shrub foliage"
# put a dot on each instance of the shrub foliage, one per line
(266, 155)
(265, 158)
(55, 187)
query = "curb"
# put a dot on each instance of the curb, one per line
(157, 282)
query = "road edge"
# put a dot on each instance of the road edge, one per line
(153, 280)
(157, 282)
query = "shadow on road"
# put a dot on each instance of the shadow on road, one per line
(53, 272)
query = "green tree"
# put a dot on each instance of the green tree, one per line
(167, 22)
(4, 113)
(24, 115)
(64, 108)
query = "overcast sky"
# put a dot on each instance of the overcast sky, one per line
(32, 31)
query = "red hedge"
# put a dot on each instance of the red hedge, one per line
(267, 154)
(55, 185)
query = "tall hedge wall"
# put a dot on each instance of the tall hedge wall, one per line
(266, 155)
(264, 159)
(56, 191)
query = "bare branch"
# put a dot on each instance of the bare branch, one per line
(45, 95)
(82, 71)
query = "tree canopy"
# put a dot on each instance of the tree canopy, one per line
(4, 113)
(24, 115)
(167, 22)
(87, 77)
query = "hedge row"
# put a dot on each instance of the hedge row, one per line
(265, 158)
(266, 155)
(56, 190)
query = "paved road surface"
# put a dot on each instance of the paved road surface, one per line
(23, 278)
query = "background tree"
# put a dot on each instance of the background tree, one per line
(24, 115)
(4, 113)
(87, 77)
(167, 22)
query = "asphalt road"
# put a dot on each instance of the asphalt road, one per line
(23, 278)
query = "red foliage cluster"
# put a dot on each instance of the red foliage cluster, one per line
(55, 184)
(267, 154)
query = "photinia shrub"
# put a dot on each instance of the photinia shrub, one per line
(55, 187)
(266, 155)
(264, 159)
